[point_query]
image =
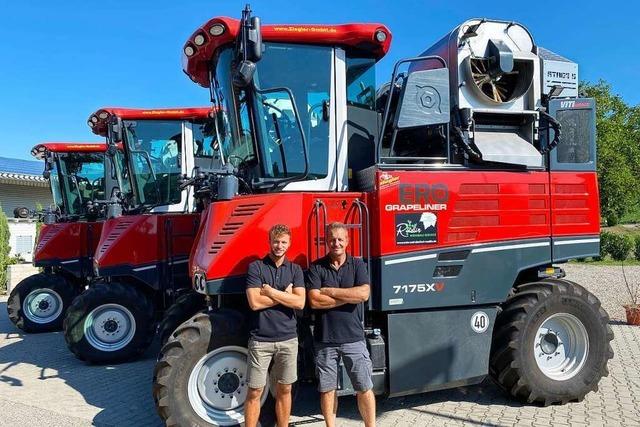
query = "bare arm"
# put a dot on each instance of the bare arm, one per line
(257, 301)
(354, 295)
(318, 300)
(292, 297)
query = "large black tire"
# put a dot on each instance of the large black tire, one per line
(124, 323)
(185, 307)
(202, 337)
(39, 302)
(525, 346)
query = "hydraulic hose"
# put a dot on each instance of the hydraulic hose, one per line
(556, 130)
(466, 145)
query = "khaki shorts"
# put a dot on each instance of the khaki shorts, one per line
(285, 362)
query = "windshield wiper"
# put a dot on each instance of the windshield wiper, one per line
(279, 141)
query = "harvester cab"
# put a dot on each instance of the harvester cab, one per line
(142, 254)
(452, 180)
(80, 174)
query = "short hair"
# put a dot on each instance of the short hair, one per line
(279, 230)
(337, 226)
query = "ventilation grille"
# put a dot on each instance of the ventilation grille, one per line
(239, 217)
(51, 231)
(116, 232)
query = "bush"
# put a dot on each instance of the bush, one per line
(4, 250)
(619, 246)
(636, 249)
(605, 243)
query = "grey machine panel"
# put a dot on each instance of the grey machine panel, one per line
(464, 275)
(507, 147)
(425, 99)
(558, 71)
(566, 248)
(437, 349)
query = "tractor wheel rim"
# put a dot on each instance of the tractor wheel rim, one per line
(42, 306)
(218, 386)
(109, 327)
(561, 346)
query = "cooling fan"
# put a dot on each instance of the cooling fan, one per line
(497, 85)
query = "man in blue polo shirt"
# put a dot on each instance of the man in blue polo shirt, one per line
(338, 284)
(275, 289)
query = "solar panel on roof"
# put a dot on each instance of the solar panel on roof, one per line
(26, 167)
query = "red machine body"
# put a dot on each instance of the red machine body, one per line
(147, 247)
(152, 248)
(472, 209)
(99, 120)
(68, 246)
(40, 150)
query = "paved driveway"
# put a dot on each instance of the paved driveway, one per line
(41, 383)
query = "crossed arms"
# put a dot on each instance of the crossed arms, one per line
(268, 296)
(326, 298)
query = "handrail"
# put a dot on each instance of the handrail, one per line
(319, 204)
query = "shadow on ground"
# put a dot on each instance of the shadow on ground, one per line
(307, 404)
(122, 393)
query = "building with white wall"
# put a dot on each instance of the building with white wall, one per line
(22, 185)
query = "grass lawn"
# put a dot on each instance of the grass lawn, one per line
(631, 217)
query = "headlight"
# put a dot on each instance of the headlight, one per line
(216, 30)
(199, 39)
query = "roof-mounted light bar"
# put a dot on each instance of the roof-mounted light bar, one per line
(200, 48)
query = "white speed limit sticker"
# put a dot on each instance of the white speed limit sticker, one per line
(479, 322)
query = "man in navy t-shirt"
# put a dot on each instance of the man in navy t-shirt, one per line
(275, 289)
(338, 285)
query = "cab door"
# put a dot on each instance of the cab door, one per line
(575, 207)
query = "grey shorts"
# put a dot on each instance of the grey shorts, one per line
(356, 361)
(285, 362)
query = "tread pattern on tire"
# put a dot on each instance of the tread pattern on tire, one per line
(185, 307)
(223, 325)
(93, 297)
(504, 363)
(59, 284)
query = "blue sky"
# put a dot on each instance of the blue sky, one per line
(60, 61)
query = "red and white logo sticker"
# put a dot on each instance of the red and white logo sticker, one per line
(386, 180)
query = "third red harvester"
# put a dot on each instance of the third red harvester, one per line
(80, 174)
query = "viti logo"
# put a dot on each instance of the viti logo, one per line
(567, 104)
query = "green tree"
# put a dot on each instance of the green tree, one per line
(38, 226)
(4, 250)
(618, 138)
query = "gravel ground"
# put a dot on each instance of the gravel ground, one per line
(607, 283)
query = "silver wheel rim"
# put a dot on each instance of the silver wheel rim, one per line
(109, 327)
(561, 346)
(218, 388)
(42, 306)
